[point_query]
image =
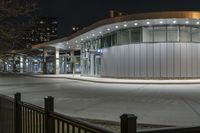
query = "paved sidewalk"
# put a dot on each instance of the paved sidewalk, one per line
(120, 81)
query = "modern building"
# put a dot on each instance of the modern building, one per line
(149, 45)
(44, 29)
(143, 45)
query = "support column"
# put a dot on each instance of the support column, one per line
(21, 64)
(57, 61)
(45, 61)
(65, 65)
(72, 62)
(92, 64)
(24, 63)
(4, 65)
(14, 65)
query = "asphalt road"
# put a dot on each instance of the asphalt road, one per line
(153, 104)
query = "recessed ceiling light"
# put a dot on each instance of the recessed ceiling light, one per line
(67, 43)
(148, 22)
(93, 34)
(108, 29)
(100, 32)
(187, 22)
(135, 24)
(198, 22)
(174, 22)
(81, 39)
(161, 22)
(116, 26)
(87, 37)
(125, 25)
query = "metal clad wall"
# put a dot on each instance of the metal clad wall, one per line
(115, 62)
(177, 60)
(150, 62)
(126, 60)
(137, 60)
(170, 60)
(163, 55)
(143, 60)
(159, 60)
(189, 60)
(198, 61)
(195, 60)
(131, 61)
(183, 60)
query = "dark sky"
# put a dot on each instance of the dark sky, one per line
(86, 12)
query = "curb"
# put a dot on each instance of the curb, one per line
(109, 82)
(115, 82)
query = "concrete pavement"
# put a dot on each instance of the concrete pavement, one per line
(153, 104)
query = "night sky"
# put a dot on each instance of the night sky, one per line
(86, 12)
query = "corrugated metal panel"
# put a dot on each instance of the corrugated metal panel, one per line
(198, 62)
(143, 60)
(137, 60)
(183, 60)
(163, 60)
(177, 60)
(126, 60)
(189, 60)
(194, 60)
(152, 60)
(132, 63)
(170, 60)
(150, 64)
(156, 60)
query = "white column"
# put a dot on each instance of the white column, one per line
(92, 64)
(57, 61)
(72, 62)
(21, 64)
(44, 61)
(65, 64)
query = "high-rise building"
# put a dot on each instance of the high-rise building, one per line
(44, 29)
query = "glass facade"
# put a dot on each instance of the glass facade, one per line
(185, 34)
(92, 49)
(172, 33)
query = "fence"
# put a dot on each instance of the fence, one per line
(21, 117)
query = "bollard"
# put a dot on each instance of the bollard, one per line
(18, 113)
(49, 107)
(128, 123)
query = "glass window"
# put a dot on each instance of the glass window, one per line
(147, 33)
(99, 43)
(118, 37)
(160, 34)
(114, 39)
(136, 35)
(195, 34)
(185, 34)
(125, 39)
(172, 33)
(106, 41)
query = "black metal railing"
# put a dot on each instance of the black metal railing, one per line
(21, 117)
(6, 114)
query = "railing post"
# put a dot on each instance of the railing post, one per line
(128, 123)
(18, 113)
(49, 121)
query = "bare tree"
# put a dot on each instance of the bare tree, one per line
(14, 15)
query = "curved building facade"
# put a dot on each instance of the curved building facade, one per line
(151, 45)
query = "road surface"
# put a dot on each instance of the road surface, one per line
(153, 104)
